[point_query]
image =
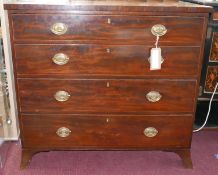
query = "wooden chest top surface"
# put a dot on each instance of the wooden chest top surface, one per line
(112, 5)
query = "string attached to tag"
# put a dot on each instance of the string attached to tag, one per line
(155, 57)
(157, 40)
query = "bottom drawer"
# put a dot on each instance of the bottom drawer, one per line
(109, 131)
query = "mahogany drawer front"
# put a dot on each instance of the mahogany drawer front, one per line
(103, 60)
(111, 28)
(106, 131)
(105, 96)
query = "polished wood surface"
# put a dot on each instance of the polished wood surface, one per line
(101, 60)
(123, 28)
(106, 131)
(94, 96)
(185, 155)
(108, 5)
(107, 75)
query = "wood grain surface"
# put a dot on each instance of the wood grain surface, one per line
(103, 60)
(90, 27)
(107, 76)
(94, 96)
(103, 131)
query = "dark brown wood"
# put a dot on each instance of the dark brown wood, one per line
(107, 131)
(185, 155)
(88, 27)
(108, 74)
(32, 63)
(106, 96)
(26, 157)
(111, 5)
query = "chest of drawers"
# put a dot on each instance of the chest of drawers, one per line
(83, 79)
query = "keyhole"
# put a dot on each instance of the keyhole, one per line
(107, 120)
(109, 21)
(108, 84)
(108, 50)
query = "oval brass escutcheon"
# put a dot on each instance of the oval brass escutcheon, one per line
(59, 28)
(158, 30)
(60, 59)
(62, 96)
(63, 132)
(153, 96)
(150, 132)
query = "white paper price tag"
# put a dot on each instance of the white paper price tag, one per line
(155, 59)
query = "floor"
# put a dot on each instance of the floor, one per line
(204, 155)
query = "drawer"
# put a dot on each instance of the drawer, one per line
(72, 131)
(97, 27)
(211, 79)
(103, 60)
(105, 96)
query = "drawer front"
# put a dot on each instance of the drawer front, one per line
(214, 50)
(107, 60)
(98, 27)
(74, 131)
(105, 96)
(211, 79)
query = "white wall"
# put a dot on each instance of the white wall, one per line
(11, 132)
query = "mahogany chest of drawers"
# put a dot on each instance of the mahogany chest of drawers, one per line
(83, 79)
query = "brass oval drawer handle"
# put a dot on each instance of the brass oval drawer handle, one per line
(62, 96)
(60, 59)
(59, 28)
(150, 132)
(158, 30)
(153, 96)
(63, 132)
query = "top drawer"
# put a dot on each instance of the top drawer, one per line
(96, 27)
